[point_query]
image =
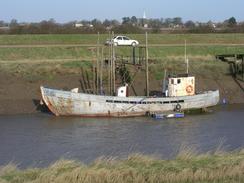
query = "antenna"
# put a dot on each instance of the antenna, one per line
(186, 60)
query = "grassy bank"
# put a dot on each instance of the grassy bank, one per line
(47, 54)
(46, 69)
(186, 167)
(51, 53)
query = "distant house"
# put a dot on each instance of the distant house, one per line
(5, 28)
(90, 25)
(78, 25)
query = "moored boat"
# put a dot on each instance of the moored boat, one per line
(179, 95)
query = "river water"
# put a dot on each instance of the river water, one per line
(41, 139)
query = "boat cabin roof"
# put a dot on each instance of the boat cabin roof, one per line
(180, 76)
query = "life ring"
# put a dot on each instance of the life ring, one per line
(178, 107)
(189, 89)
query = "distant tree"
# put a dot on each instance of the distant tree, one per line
(127, 29)
(232, 22)
(162, 20)
(13, 23)
(134, 20)
(202, 28)
(126, 20)
(96, 22)
(52, 21)
(33, 28)
(115, 23)
(2, 23)
(110, 23)
(177, 21)
(155, 23)
(168, 22)
(189, 24)
(107, 23)
(48, 27)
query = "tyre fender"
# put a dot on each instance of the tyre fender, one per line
(178, 107)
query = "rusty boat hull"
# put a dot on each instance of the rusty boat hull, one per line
(67, 103)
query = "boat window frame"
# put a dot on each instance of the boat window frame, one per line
(178, 81)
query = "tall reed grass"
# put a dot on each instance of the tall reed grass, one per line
(188, 166)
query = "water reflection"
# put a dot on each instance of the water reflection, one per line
(37, 140)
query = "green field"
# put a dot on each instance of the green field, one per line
(187, 167)
(36, 62)
(152, 39)
(207, 45)
(89, 53)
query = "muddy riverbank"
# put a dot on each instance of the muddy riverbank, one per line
(19, 95)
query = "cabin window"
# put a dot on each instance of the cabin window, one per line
(172, 81)
(116, 101)
(178, 81)
(110, 101)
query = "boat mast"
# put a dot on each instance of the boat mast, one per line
(164, 81)
(98, 66)
(101, 73)
(186, 60)
(113, 68)
(94, 77)
(109, 65)
(147, 77)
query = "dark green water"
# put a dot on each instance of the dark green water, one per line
(40, 139)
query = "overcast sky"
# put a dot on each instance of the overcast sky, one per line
(69, 10)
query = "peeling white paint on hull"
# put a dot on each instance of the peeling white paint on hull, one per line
(66, 103)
